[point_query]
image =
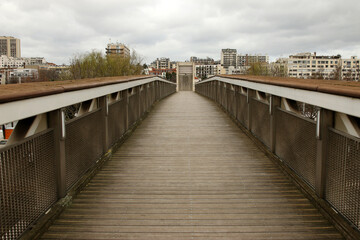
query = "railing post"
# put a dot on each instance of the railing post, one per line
(139, 92)
(56, 120)
(126, 110)
(325, 119)
(250, 94)
(105, 112)
(157, 91)
(275, 102)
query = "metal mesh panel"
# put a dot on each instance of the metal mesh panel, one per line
(27, 183)
(260, 120)
(296, 144)
(133, 109)
(117, 120)
(343, 175)
(242, 109)
(83, 145)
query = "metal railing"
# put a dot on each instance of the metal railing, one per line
(325, 158)
(37, 170)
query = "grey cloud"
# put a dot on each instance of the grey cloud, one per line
(57, 30)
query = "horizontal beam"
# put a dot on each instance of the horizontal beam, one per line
(337, 103)
(21, 109)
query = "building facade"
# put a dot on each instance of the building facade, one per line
(206, 71)
(203, 61)
(228, 57)
(247, 60)
(10, 47)
(350, 69)
(118, 49)
(163, 63)
(161, 71)
(308, 65)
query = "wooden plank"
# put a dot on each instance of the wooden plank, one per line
(188, 172)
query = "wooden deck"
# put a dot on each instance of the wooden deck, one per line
(188, 172)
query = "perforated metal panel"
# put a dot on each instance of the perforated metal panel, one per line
(27, 183)
(83, 145)
(260, 120)
(117, 120)
(342, 175)
(296, 144)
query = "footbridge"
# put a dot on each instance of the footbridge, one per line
(130, 158)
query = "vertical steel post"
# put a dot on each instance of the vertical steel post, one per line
(275, 102)
(56, 120)
(103, 102)
(325, 119)
(250, 94)
(126, 110)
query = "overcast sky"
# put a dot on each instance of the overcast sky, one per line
(57, 30)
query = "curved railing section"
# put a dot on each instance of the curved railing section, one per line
(312, 126)
(62, 130)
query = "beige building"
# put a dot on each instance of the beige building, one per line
(118, 49)
(350, 69)
(10, 47)
(308, 65)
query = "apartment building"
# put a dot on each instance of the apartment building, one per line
(205, 71)
(308, 65)
(10, 47)
(247, 60)
(162, 63)
(11, 62)
(350, 69)
(117, 49)
(203, 61)
(228, 57)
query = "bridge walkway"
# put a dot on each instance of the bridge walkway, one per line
(188, 172)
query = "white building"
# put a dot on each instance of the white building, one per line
(35, 61)
(24, 74)
(2, 78)
(350, 69)
(11, 62)
(307, 65)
